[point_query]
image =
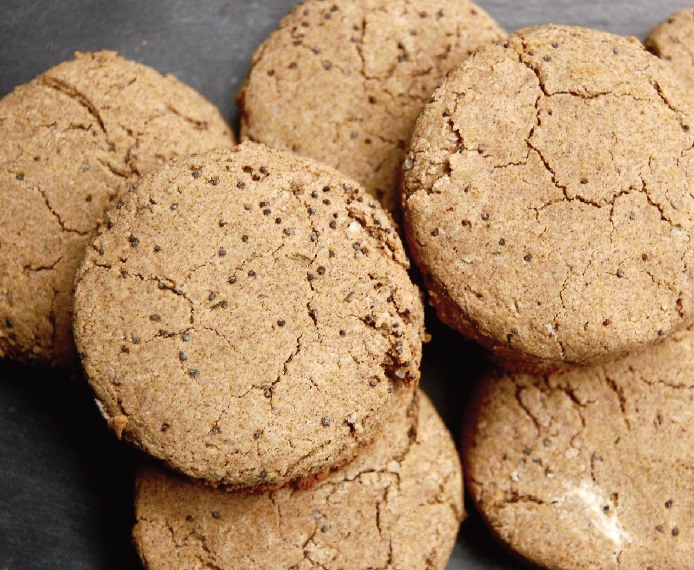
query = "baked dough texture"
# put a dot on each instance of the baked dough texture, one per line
(591, 468)
(673, 41)
(398, 505)
(547, 198)
(71, 142)
(246, 316)
(343, 81)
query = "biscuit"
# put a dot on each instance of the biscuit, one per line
(246, 315)
(673, 41)
(71, 142)
(591, 468)
(343, 82)
(398, 505)
(547, 200)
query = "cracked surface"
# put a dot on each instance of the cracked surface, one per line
(344, 81)
(397, 505)
(547, 198)
(590, 468)
(71, 142)
(249, 317)
(673, 41)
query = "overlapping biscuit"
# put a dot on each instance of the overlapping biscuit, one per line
(72, 142)
(398, 505)
(591, 468)
(247, 317)
(673, 41)
(547, 198)
(343, 82)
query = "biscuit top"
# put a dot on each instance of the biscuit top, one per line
(71, 142)
(547, 196)
(246, 315)
(598, 459)
(344, 81)
(673, 41)
(399, 504)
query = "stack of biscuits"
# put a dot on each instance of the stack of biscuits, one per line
(248, 318)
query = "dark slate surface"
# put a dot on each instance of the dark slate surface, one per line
(65, 482)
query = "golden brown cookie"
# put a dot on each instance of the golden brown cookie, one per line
(673, 41)
(591, 468)
(71, 142)
(246, 315)
(398, 505)
(547, 198)
(344, 81)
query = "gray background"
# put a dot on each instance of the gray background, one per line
(65, 482)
